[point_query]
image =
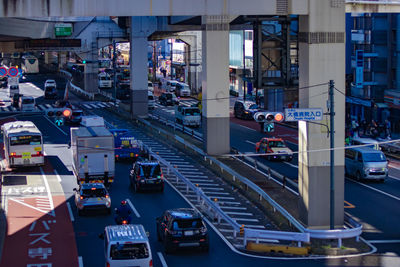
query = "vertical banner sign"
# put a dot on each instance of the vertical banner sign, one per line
(359, 68)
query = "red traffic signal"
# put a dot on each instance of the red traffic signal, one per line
(67, 112)
(59, 112)
(269, 117)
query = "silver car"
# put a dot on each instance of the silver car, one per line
(92, 196)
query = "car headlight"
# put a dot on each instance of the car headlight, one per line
(142, 181)
(366, 170)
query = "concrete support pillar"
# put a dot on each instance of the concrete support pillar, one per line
(90, 76)
(215, 84)
(321, 58)
(141, 28)
(62, 59)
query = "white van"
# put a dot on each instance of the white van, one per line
(26, 103)
(171, 86)
(127, 245)
(182, 89)
(151, 101)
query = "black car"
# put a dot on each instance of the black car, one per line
(63, 104)
(50, 92)
(15, 100)
(179, 228)
(168, 99)
(245, 109)
(123, 91)
(146, 174)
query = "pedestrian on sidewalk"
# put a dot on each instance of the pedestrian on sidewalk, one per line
(364, 127)
(354, 128)
(374, 129)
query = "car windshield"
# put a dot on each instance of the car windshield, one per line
(150, 84)
(151, 97)
(129, 251)
(168, 96)
(28, 101)
(276, 144)
(148, 170)
(180, 224)
(94, 192)
(192, 111)
(374, 157)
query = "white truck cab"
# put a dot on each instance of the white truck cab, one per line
(127, 245)
(188, 116)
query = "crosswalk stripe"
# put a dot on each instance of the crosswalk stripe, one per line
(87, 106)
(101, 105)
(41, 107)
(48, 105)
(93, 105)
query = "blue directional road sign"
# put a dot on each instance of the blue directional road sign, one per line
(13, 72)
(3, 71)
(59, 121)
(303, 114)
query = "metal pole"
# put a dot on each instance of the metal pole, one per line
(244, 67)
(114, 72)
(332, 153)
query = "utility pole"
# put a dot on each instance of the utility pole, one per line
(154, 61)
(332, 153)
(114, 71)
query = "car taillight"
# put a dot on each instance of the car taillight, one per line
(108, 264)
(107, 196)
(13, 154)
(81, 197)
(124, 222)
(138, 177)
(151, 263)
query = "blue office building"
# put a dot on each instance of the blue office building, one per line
(373, 67)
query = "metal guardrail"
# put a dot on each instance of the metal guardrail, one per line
(74, 87)
(219, 213)
(177, 126)
(317, 234)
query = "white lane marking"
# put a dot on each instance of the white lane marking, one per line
(46, 184)
(80, 261)
(383, 241)
(239, 213)
(245, 220)
(32, 226)
(246, 127)
(395, 178)
(70, 212)
(252, 143)
(377, 190)
(58, 176)
(87, 106)
(133, 208)
(290, 164)
(56, 126)
(163, 262)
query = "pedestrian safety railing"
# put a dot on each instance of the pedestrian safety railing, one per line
(219, 214)
(172, 123)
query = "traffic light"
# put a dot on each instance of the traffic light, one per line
(269, 117)
(84, 62)
(269, 127)
(59, 115)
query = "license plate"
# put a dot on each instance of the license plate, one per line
(188, 233)
(26, 155)
(150, 182)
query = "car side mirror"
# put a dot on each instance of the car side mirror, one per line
(69, 145)
(147, 234)
(101, 236)
(75, 189)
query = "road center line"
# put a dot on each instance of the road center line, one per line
(248, 128)
(290, 164)
(379, 191)
(394, 178)
(163, 262)
(133, 208)
(70, 212)
(55, 125)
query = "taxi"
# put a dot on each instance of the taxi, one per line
(276, 147)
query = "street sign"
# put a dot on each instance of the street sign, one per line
(303, 114)
(3, 71)
(12, 80)
(13, 71)
(63, 29)
(269, 127)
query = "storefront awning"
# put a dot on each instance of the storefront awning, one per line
(358, 101)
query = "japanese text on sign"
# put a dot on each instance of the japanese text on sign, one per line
(303, 114)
